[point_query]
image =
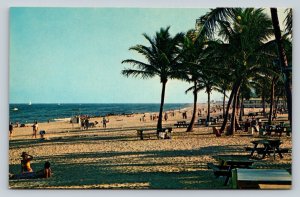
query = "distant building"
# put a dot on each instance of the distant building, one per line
(257, 103)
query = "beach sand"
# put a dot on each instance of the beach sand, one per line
(115, 158)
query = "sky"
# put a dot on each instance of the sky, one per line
(73, 55)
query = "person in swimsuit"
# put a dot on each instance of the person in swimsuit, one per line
(11, 128)
(44, 173)
(25, 163)
(35, 127)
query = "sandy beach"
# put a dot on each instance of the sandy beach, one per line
(115, 158)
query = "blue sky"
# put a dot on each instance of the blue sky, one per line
(73, 55)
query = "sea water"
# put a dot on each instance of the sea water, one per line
(24, 113)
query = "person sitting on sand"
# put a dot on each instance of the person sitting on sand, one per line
(42, 134)
(25, 163)
(44, 173)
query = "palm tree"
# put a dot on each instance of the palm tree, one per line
(245, 94)
(193, 53)
(223, 84)
(210, 20)
(261, 86)
(283, 58)
(161, 59)
(189, 58)
(244, 31)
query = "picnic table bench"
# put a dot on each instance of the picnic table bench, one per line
(259, 178)
(181, 124)
(267, 146)
(252, 114)
(164, 133)
(226, 166)
(278, 129)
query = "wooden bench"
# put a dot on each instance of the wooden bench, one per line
(260, 178)
(261, 150)
(227, 166)
(268, 147)
(165, 133)
(181, 124)
(219, 170)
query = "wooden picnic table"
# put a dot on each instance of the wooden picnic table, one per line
(252, 114)
(227, 165)
(181, 124)
(267, 146)
(166, 131)
(251, 178)
(202, 120)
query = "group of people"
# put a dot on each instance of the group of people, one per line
(35, 128)
(27, 172)
(254, 123)
(84, 121)
(154, 117)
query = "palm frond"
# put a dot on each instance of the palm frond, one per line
(209, 20)
(289, 21)
(137, 73)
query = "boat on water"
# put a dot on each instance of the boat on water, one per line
(15, 109)
(29, 103)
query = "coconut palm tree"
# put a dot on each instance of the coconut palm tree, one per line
(241, 48)
(190, 53)
(245, 94)
(210, 20)
(261, 86)
(282, 57)
(161, 59)
(193, 55)
(223, 85)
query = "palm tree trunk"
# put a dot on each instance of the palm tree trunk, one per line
(159, 122)
(238, 108)
(233, 92)
(283, 62)
(264, 105)
(276, 105)
(232, 128)
(242, 110)
(224, 97)
(191, 125)
(272, 100)
(208, 107)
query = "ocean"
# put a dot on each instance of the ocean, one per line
(25, 113)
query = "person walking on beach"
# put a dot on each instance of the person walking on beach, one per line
(184, 116)
(166, 116)
(35, 128)
(11, 128)
(104, 122)
(86, 122)
(82, 123)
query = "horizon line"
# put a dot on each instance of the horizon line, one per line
(107, 103)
